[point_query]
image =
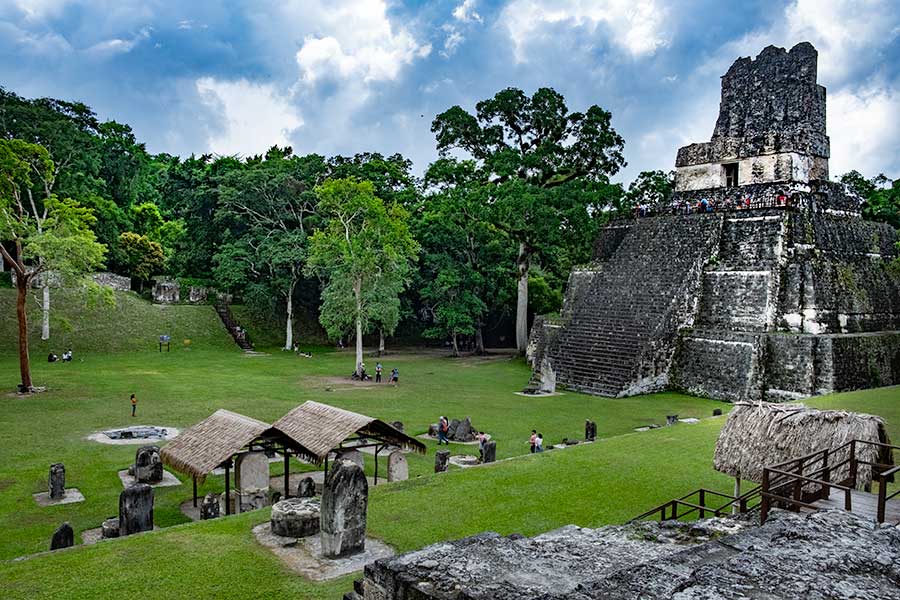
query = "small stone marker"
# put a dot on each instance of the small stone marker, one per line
(441, 461)
(343, 511)
(57, 482)
(110, 528)
(490, 452)
(209, 507)
(717, 412)
(354, 456)
(63, 537)
(296, 517)
(136, 509)
(306, 488)
(671, 419)
(590, 431)
(398, 469)
(251, 471)
(148, 466)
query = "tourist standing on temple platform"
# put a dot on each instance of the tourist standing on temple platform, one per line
(533, 440)
(539, 443)
(443, 428)
(133, 404)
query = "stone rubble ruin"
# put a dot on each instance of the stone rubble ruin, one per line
(135, 509)
(63, 537)
(148, 467)
(109, 528)
(835, 553)
(458, 431)
(757, 280)
(343, 510)
(209, 507)
(57, 481)
(140, 432)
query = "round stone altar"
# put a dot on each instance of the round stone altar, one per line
(295, 517)
(137, 434)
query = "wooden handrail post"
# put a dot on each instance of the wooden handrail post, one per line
(674, 510)
(882, 497)
(826, 475)
(702, 503)
(848, 502)
(798, 486)
(853, 465)
(764, 502)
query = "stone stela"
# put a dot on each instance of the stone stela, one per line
(343, 510)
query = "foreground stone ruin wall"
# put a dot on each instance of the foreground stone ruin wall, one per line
(837, 554)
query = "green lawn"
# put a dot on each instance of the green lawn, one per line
(609, 481)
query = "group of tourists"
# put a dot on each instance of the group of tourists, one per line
(536, 441)
(362, 375)
(66, 357)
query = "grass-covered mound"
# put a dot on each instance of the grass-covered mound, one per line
(91, 326)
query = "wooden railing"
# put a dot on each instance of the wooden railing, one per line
(800, 482)
(695, 503)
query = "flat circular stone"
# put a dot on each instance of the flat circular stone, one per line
(295, 517)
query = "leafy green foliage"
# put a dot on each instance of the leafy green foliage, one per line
(143, 257)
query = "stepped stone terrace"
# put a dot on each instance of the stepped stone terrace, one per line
(758, 278)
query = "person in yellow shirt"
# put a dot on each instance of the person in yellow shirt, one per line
(133, 404)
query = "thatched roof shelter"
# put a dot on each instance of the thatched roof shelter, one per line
(763, 434)
(214, 440)
(321, 428)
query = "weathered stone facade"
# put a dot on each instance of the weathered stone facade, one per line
(830, 554)
(789, 296)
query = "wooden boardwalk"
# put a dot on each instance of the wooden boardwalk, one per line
(863, 503)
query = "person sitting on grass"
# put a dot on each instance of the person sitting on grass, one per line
(52, 358)
(539, 443)
(67, 355)
(533, 440)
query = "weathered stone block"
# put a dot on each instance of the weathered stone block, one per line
(343, 512)
(209, 507)
(57, 481)
(490, 451)
(254, 499)
(109, 528)
(63, 537)
(354, 456)
(398, 469)
(464, 432)
(295, 517)
(306, 488)
(441, 461)
(136, 509)
(148, 467)
(590, 431)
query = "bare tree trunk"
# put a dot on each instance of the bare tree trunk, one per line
(289, 328)
(479, 341)
(45, 307)
(21, 315)
(523, 264)
(357, 288)
(380, 341)
(455, 345)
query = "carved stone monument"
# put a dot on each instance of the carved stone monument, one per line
(209, 507)
(251, 471)
(63, 537)
(343, 512)
(148, 467)
(110, 528)
(57, 483)
(136, 509)
(490, 452)
(590, 431)
(306, 488)
(296, 517)
(354, 456)
(398, 469)
(441, 461)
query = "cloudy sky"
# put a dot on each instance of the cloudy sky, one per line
(344, 76)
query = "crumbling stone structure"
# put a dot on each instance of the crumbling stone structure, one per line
(835, 553)
(758, 279)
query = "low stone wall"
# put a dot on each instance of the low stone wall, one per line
(170, 291)
(119, 283)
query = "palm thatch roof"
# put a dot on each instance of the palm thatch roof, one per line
(204, 446)
(321, 428)
(764, 434)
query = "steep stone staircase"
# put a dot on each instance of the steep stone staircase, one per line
(239, 335)
(631, 302)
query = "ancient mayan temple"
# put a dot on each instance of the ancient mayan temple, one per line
(758, 279)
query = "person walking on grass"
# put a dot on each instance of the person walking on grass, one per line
(133, 404)
(533, 440)
(378, 370)
(443, 428)
(395, 376)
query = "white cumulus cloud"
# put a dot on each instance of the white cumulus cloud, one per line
(637, 26)
(864, 130)
(466, 12)
(254, 116)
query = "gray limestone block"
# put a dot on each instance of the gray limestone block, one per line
(110, 528)
(57, 481)
(343, 510)
(136, 509)
(306, 488)
(490, 451)
(63, 537)
(441, 461)
(295, 517)
(398, 469)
